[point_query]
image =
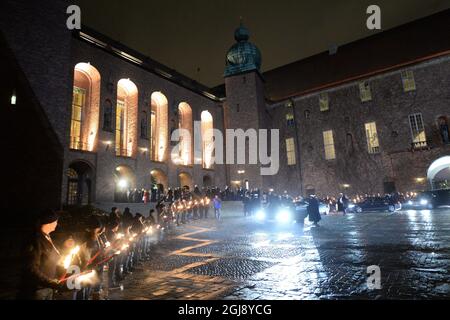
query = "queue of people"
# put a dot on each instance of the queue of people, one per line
(91, 263)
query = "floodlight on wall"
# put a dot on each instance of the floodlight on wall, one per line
(123, 184)
(108, 144)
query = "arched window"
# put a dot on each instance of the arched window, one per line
(159, 126)
(207, 139)
(444, 129)
(126, 118)
(185, 123)
(85, 108)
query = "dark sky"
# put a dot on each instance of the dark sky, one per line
(193, 36)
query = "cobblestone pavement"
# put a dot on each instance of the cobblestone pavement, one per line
(237, 258)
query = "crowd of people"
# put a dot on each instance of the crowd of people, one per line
(109, 248)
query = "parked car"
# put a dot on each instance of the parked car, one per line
(429, 200)
(377, 204)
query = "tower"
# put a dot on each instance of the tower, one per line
(245, 104)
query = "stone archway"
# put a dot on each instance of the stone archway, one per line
(159, 178)
(207, 181)
(80, 184)
(185, 180)
(124, 182)
(439, 174)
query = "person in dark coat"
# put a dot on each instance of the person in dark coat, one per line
(246, 201)
(342, 203)
(40, 274)
(313, 210)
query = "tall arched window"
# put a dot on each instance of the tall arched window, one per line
(207, 139)
(126, 118)
(159, 126)
(85, 108)
(185, 123)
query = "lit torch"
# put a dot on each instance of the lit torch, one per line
(70, 256)
(120, 236)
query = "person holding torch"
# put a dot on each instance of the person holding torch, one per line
(39, 279)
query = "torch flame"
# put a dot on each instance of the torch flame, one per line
(119, 236)
(70, 256)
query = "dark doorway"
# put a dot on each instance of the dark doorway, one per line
(389, 187)
(79, 185)
(207, 181)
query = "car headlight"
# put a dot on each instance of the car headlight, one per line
(423, 202)
(283, 216)
(351, 206)
(260, 215)
(410, 202)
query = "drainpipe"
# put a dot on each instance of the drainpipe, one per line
(297, 149)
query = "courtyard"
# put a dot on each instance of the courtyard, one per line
(238, 258)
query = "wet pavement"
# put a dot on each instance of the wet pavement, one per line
(238, 258)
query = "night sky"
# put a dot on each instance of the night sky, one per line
(193, 36)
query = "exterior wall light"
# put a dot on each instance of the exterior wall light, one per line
(14, 98)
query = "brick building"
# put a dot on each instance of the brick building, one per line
(369, 118)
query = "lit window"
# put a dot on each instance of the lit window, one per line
(372, 138)
(290, 149)
(207, 139)
(79, 97)
(365, 91)
(328, 141)
(159, 127)
(120, 129)
(324, 102)
(419, 137)
(85, 108)
(409, 84)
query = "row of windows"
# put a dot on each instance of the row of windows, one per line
(418, 134)
(85, 120)
(365, 90)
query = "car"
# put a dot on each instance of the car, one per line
(429, 200)
(377, 204)
(281, 214)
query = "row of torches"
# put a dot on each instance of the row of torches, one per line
(123, 243)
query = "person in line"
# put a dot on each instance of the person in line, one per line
(342, 204)
(40, 274)
(313, 210)
(217, 206)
